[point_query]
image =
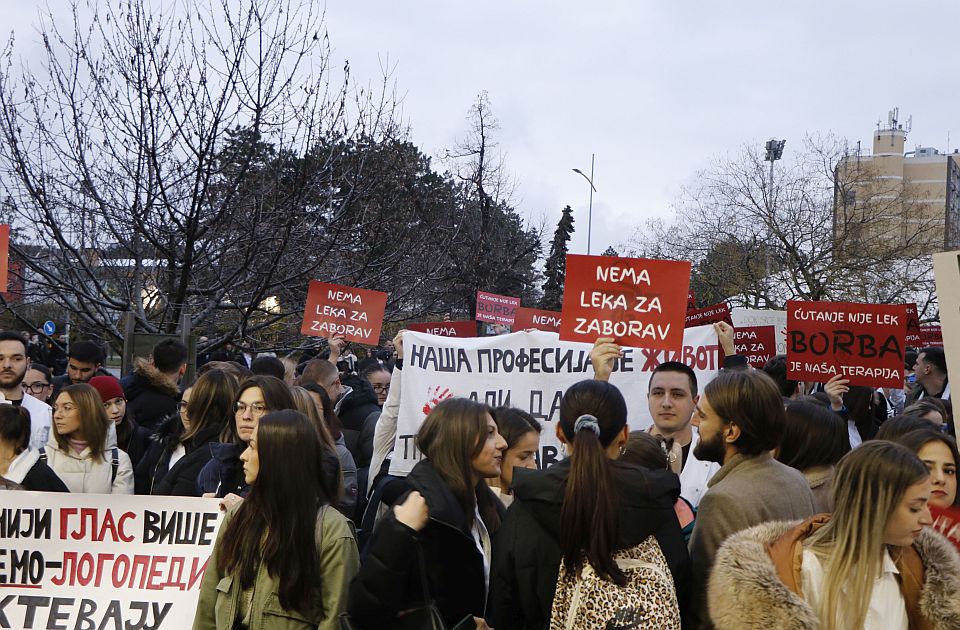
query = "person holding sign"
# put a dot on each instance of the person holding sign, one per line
(82, 448)
(284, 558)
(874, 564)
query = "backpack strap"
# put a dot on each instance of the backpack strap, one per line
(114, 465)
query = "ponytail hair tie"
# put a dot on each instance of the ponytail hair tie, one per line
(586, 421)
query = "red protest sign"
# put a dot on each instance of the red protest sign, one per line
(757, 343)
(691, 301)
(355, 314)
(496, 309)
(526, 318)
(639, 302)
(913, 337)
(947, 522)
(708, 315)
(931, 335)
(4, 256)
(863, 342)
(461, 328)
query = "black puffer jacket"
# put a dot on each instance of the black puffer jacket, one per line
(526, 551)
(151, 396)
(389, 580)
(353, 411)
(154, 475)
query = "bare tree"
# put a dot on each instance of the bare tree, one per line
(184, 160)
(760, 242)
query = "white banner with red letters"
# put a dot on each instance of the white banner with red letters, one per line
(530, 371)
(103, 561)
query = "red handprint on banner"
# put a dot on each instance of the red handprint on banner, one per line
(434, 396)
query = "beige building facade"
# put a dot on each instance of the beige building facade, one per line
(908, 199)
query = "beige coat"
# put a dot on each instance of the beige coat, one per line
(81, 473)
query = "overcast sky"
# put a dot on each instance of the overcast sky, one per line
(656, 89)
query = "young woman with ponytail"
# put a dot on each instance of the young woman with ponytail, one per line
(582, 510)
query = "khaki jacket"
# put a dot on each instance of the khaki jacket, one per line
(339, 563)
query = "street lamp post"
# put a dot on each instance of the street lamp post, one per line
(774, 152)
(592, 190)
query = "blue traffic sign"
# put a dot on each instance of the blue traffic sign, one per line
(49, 327)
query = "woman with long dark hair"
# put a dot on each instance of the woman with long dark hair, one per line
(449, 518)
(223, 474)
(180, 448)
(939, 454)
(584, 510)
(330, 423)
(283, 560)
(521, 432)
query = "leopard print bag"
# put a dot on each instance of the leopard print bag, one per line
(648, 600)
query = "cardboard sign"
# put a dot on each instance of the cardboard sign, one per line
(746, 317)
(931, 335)
(496, 309)
(354, 314)
(757, 343)
(947, 522)
(639, 302)
(102, 560)
(946, 271)
(691, 301)
(4, 256)
(863, 342)
(529, 371)
(913, 337)
(463, 328)
(708, 315)
(527, 318)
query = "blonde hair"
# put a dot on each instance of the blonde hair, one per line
(869, 485)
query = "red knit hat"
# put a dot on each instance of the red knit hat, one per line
(108, 387)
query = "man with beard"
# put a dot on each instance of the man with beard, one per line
(13, 367)
(741, 417)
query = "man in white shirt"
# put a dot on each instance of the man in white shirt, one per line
(671, 398)
(13, 367)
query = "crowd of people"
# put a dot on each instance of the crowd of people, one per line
(753, 501)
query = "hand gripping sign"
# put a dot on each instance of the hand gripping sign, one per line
(863, 342)
(639, 302)
(354, 314)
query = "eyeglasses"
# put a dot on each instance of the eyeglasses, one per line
(381, 389)
(256, 409)
(35, 388)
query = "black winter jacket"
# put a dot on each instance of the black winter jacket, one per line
(526, 551)
(41, 478)
(389, 579)
(153, 474)
(353, 412)
(151, 396)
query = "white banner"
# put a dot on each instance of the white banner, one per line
(745, 317)
(529, 371)
(90, 561)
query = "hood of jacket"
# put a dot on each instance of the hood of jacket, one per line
(169, 430)
(147, 377)
(745, 591)
(646, 497)
(226, 453)
(21, 465)
(360, 393)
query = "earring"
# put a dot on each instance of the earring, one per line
(623, 450)
(563, 449)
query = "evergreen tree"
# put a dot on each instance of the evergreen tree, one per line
(556, 266)
(610, 251)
